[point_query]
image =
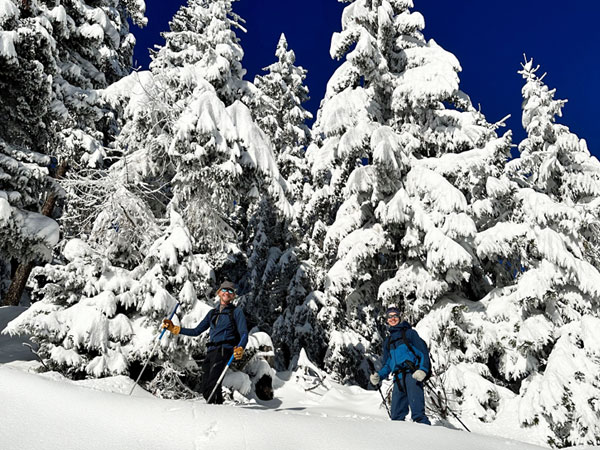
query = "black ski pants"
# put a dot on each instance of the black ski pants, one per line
(212, 367)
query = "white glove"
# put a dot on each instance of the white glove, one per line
(375, 379)
(419, 375)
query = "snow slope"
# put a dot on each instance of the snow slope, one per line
(40, 412)
(46, 411)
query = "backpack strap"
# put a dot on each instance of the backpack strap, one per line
(403, 331)
(404, 341)
(234, 323)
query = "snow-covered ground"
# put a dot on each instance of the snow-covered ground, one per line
(47, 411)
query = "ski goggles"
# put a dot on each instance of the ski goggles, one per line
(393, 316)
(228, 291)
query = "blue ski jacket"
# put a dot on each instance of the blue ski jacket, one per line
(396, 354)
(222, 330)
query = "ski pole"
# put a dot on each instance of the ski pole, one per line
(372, 367)
(153, 350)
(387, 408)
(223, 373)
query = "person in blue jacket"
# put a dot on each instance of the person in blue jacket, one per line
(226, 324)
(406, 357)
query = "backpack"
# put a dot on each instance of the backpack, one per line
(410, 348)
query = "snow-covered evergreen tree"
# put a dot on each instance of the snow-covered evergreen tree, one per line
(401, 159)
(56, 54)
(96, 319)
(283, 118)
(273, 261)
(537, 332)
(28, 61)
(555, 161)
(227, 184)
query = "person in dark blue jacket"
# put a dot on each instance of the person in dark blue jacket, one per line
(406, 357)
(226, 324)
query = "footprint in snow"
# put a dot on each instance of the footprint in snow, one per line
(205, 435)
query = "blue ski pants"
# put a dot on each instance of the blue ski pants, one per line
(408, 392)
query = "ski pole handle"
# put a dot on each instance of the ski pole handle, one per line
(170, 318)
(232, 356)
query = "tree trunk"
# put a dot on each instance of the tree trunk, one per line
(17, 284)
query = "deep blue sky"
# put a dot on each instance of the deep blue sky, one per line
(488, 38)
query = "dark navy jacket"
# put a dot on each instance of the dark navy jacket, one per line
(221, 328)
(396, 355)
